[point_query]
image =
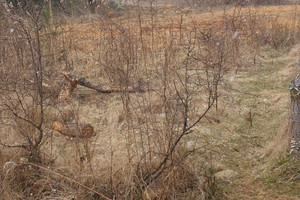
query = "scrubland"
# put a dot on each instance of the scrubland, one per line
(209, 118)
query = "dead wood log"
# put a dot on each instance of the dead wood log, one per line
(74, 130)
(75, 80)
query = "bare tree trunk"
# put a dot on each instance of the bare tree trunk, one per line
(92, 4)
(35, 154)
(295, 114)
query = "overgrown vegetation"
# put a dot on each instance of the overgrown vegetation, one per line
(162, 139)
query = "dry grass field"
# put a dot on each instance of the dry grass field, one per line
(212, 120)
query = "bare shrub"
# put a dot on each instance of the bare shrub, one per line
(22, 97)
(184, 74)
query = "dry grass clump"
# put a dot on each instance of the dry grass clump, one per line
(22, 180)
(280, 144)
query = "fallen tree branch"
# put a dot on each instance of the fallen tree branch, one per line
(76, 79)
(13, 146)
